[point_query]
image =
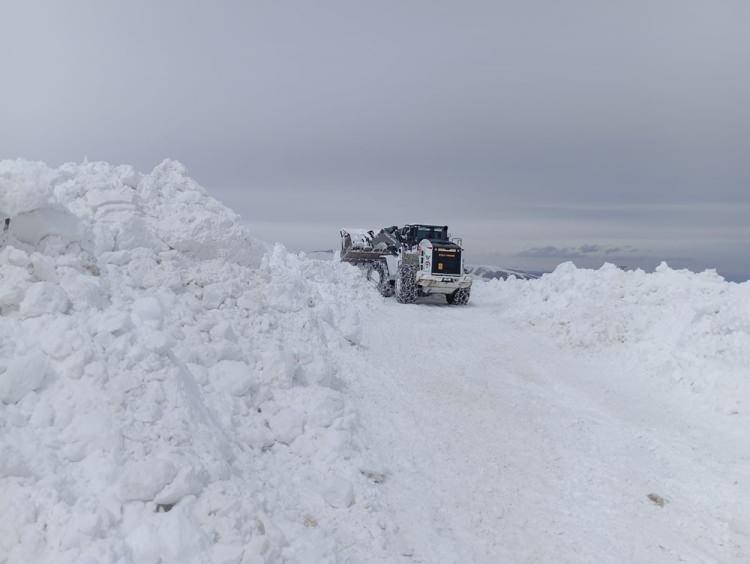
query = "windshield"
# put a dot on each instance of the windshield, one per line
(432, 232)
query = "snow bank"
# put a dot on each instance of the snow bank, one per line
(170, 388)
(686, 330)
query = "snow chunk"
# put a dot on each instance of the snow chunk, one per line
(287, 425)
(22, 375)
(133, 233)
(170, 538)
(214, 295)
(10, 296)
(13, 283)
(338, 492)
(148, 311)
(223, 331)
(44, 298)
(144, 479)
(16, 257)
(24, 186)
(189, 481)
(114, 321)
(118, 258)
(234, 376)
(102, 197)
(43, 267)
(326, 411)
(33, 226)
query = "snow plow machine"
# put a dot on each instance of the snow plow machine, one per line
(409, 262)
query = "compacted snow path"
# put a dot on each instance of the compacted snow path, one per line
(498, 445)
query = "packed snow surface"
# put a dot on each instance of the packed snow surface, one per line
(174, 391)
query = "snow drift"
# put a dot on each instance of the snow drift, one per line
(169, 386)
(687, 331)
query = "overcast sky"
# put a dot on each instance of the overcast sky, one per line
(540, 130)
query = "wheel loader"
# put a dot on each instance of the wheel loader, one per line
(409, 262)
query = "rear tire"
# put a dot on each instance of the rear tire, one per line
(406, 284)
(459, 297)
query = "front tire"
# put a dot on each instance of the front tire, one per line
(459, 297)
(377, 274)
(406, 284)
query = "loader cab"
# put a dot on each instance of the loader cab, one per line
(411, 235)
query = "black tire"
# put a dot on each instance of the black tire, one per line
(459, 297)
(377, 273)
(386, 289)
(406, 284)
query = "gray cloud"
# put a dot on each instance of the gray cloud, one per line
(585, 250)
(519, 123)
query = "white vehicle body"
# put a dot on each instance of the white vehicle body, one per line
(430, 280)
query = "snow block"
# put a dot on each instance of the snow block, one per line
(33, 226)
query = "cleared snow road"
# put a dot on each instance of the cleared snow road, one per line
(500, 447)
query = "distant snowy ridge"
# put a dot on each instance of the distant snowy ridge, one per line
(499, 273)
(169, 386)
